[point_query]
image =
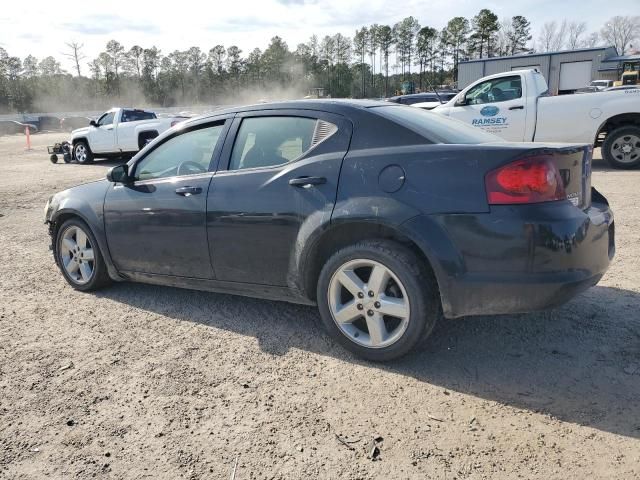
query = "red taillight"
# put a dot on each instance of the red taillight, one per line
(531, 180)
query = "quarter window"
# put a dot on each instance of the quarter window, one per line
(271, 141)
(186, 154)
(496, 90)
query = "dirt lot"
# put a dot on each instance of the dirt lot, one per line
(140, 381)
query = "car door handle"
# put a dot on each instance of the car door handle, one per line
(517, 107)
(188, 191)
(307, 181)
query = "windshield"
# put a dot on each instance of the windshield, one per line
(435, 127)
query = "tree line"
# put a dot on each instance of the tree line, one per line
(373, 63)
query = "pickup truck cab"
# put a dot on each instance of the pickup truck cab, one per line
(117, 132)
(517, 107)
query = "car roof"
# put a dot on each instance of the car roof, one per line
(339, 106)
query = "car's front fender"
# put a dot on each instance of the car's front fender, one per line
(87, 203)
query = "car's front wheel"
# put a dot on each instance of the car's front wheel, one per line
(377, 299)
(78, 256)
(82, 152)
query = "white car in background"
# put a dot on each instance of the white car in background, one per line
(517, 107)
(117, 132)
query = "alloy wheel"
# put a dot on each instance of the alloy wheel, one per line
(77, 255)
(368, 303)
(81, 152)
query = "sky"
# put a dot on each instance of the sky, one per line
(42, 27)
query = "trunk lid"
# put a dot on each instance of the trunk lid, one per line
(574, 163)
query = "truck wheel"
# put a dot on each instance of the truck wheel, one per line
(621, 147)
(82, 152)
(377, 299)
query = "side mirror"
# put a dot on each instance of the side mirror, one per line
(93, 123)
(119, 174)
(461, 102)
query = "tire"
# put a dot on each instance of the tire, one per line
(66, 237)
(53, 158)
(82, 153)
(408, 287)
(621, 147)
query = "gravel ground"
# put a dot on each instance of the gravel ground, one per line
(141, 381)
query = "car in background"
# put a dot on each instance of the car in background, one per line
(48, 122)
(384, 216)
(622, 87)
(601, 85)
(69, 124)
(11, 127)
(516, 106)
(425, 97)
(588, 90)
(118, 132)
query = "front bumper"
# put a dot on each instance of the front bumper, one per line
(522, 258)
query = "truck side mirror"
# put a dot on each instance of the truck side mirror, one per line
(93, 123)
(119, 174)
(461, 102)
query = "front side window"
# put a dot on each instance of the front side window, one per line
(495, 90)
(106, 119)
(186, 154)
(271, 141)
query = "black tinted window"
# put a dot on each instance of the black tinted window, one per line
(136, 115)
(434, 127)
(271, 141)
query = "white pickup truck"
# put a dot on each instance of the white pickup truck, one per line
(119, 131)
(516, 106)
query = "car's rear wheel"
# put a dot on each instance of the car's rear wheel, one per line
(377, 299)
(82, 152)
(621, 147)
(79, 257)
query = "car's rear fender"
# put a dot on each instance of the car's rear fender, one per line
(369, 218)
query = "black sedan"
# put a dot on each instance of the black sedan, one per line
(11, 127)
(385, 216)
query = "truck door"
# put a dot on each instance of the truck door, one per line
(497, 106)
(102, 138)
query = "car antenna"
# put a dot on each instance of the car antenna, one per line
(434, 90)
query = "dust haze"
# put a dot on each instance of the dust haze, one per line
(84, 98)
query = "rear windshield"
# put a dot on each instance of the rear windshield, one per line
(136, 115)
(434, 127)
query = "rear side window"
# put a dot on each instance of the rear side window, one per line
(434, 127)
(136, 115)
(272, 141)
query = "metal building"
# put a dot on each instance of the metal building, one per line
(565, 71)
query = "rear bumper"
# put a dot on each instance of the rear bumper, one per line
(518, 259)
